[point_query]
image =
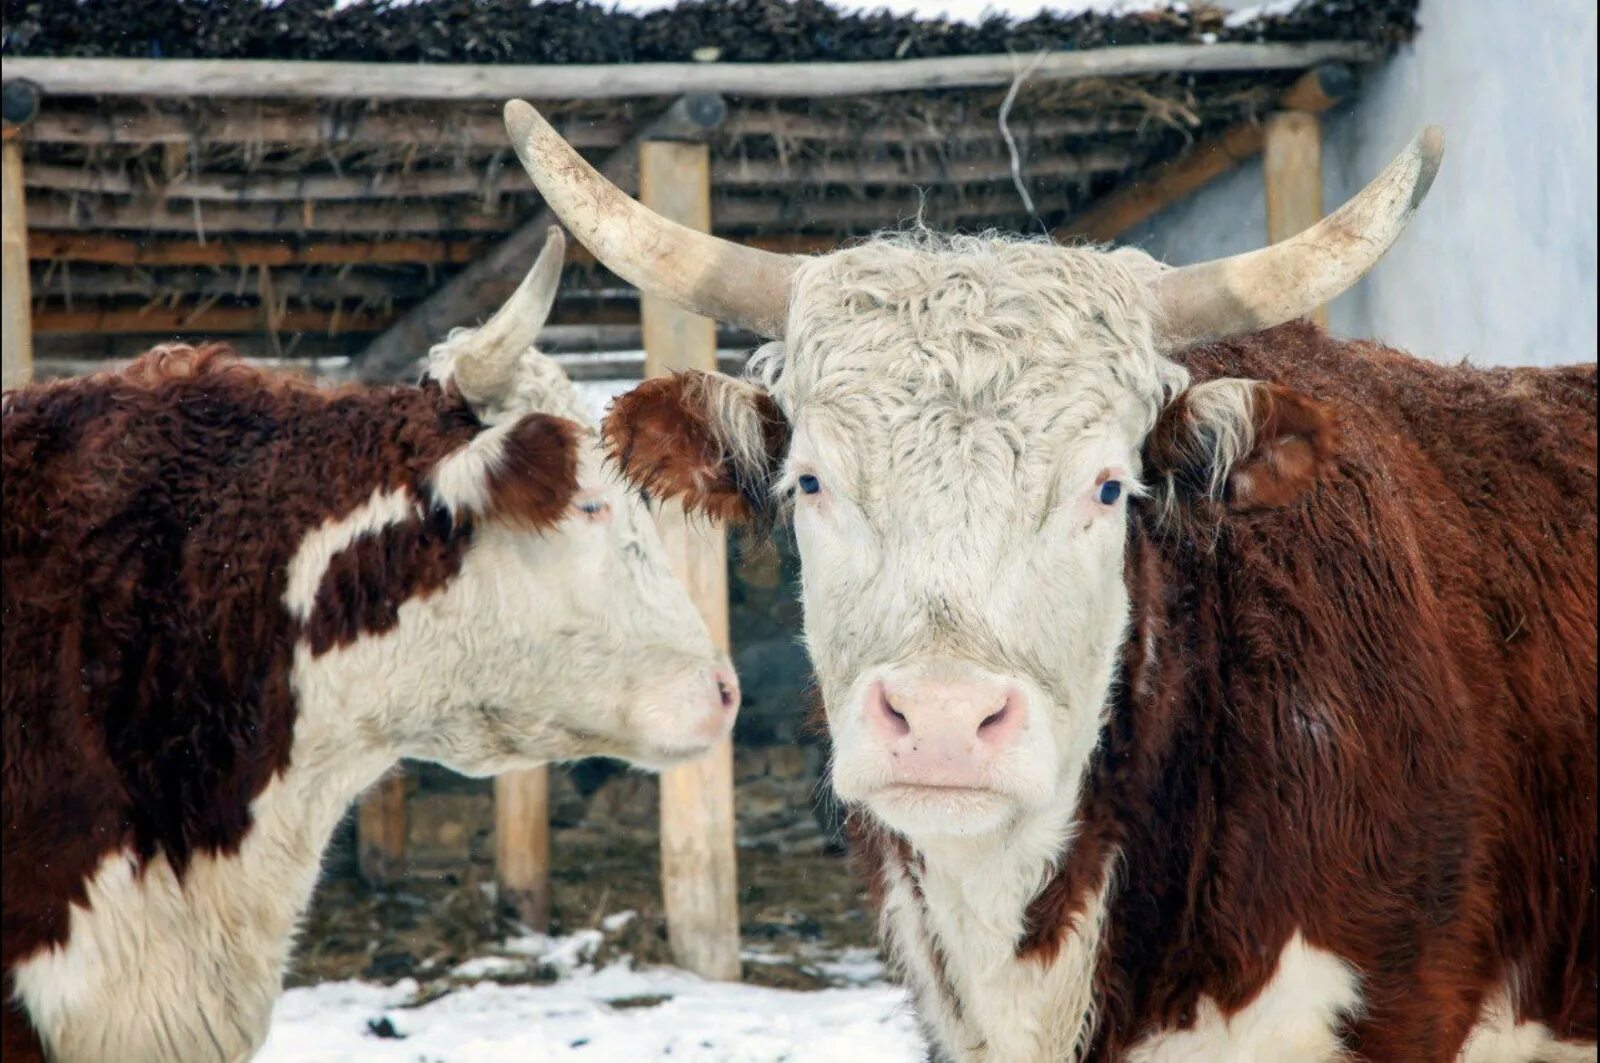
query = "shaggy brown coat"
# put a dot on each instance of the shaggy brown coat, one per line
(149, 519)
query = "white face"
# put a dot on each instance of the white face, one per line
(573, 641)
(961, 466)
(589, 644)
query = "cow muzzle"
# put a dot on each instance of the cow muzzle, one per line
(934, 742)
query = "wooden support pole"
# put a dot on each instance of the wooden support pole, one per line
(381, 831)
(20, 105)
(1291, 158)
(16, 364)
(699, 877)
(522, 845)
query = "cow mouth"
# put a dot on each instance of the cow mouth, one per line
(951, 797)
(939, 789)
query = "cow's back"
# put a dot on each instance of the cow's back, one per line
(1494, 473)
(149, 518)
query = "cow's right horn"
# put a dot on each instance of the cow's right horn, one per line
(1259, 289)
(744, 286)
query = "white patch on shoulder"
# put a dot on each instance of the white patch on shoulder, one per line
(1295, 1017)
(460, 482)
(317, 551)
(1500, 1038)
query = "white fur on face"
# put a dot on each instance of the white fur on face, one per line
(574, 641)
(958, 402)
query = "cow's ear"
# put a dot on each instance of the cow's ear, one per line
(1246, 443)
(708, 440)
(522, 472)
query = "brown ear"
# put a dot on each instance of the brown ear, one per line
(524, 473)
(709, 440)
(1250, 444)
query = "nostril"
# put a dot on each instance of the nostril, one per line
(727, 688)
(896, 720)
(994, 719)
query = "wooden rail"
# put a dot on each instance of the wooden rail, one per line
(258, 78)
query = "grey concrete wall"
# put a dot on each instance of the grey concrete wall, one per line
(1499, 266)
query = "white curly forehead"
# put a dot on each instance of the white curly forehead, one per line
(915, 341)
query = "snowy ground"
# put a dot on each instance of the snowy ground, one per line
(487, 1012)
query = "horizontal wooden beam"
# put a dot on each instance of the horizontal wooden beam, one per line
(122, 251)
(320, 286)
(215, 320)
(310, 125)
(155, 214)
(269, 78)
(585, 351)
(298, 126)
(389, 185)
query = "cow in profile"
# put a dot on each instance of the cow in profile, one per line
(1202, 686)
(233, 600)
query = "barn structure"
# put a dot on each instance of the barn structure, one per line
(331, 188)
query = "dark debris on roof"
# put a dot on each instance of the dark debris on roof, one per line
(577, 31)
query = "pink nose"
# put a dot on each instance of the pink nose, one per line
(947, 732)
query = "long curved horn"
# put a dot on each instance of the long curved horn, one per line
(487, 359)
(1244, 293)
(744, 286)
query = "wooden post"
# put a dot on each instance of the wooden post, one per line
(699, 880)
(522, 845)
(381, 831)
(1291, 157)
(20, 106)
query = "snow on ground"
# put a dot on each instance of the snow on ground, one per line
(589, 1012)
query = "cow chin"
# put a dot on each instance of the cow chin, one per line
(928, 812)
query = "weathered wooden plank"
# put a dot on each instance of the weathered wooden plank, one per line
(699, 874)
(122, 251)
(206, 321)
(381, 825)
(522, 844)
(16, 330)
(268, 78)
(1291, 164)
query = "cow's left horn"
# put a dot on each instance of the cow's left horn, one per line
(740, 285)
(487, 361)
(1214, 300)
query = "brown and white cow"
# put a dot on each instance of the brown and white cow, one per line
(233, 600)
(1204, 687)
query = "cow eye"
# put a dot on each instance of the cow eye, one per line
(1110, 491)
(808, 484)
(594, 509)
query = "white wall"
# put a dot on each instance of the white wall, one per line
(1499, 265)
